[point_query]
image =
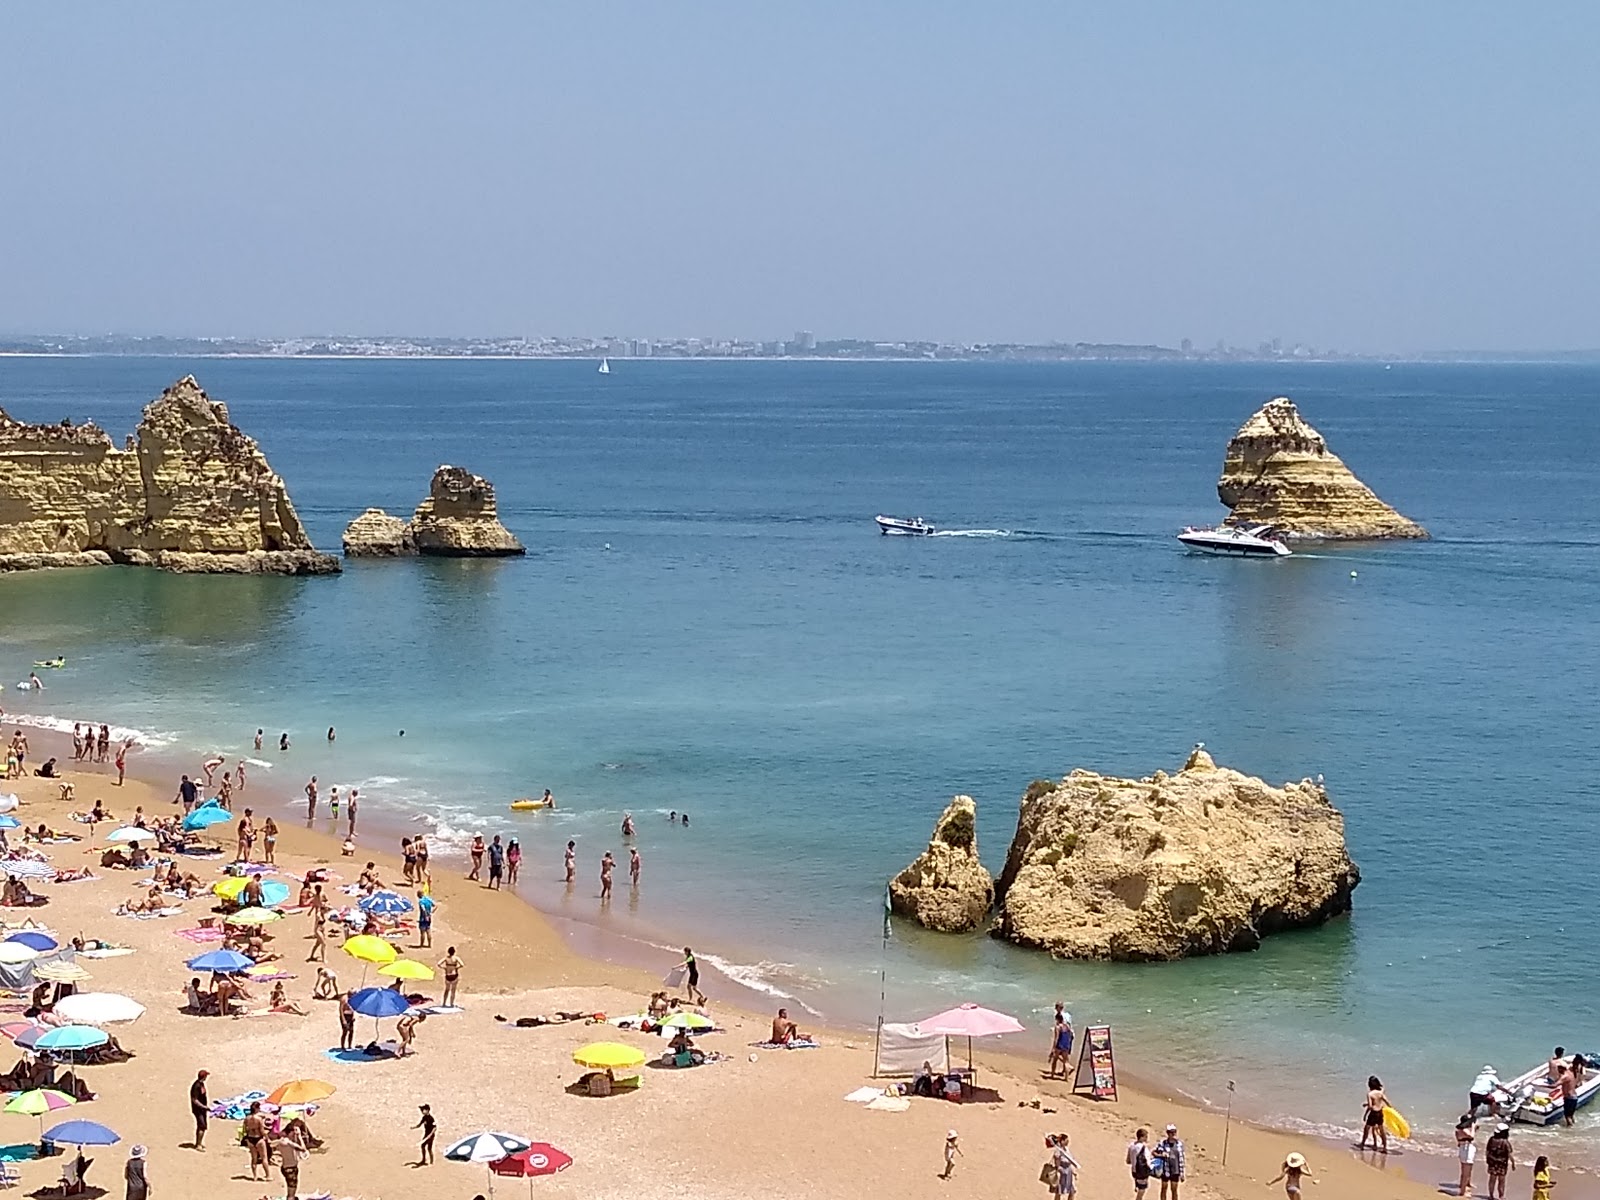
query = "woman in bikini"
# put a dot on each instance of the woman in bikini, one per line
(1293, 1170)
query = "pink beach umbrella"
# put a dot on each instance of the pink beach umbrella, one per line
(969, 1021)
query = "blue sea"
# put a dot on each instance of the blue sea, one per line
(707, 621)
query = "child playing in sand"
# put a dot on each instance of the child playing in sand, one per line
(1293, 1170)
(951, 1149)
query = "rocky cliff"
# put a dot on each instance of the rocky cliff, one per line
(188, 492)
(946, 887)
(1201, 862)
(458, 518)
(1279, 471)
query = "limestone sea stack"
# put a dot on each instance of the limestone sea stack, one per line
(946, 888)
(188, 492)
(1279, 471)
(1202, 862)
(457, 519)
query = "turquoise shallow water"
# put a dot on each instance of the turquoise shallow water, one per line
(708, 622)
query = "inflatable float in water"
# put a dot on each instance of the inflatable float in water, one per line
(527, 805)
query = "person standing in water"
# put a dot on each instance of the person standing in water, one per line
(330, 733)
(572, 862)
(311, 798)
(1372, 1116)
(607, 866)
(497, 862)
(355, 802)
(513, 862)
(283, 740)
(260, 733)
(627, 825)
(333, 801)
(476, 854)
(635, 863)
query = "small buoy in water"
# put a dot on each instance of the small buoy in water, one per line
(608, 545)
(1352, 574)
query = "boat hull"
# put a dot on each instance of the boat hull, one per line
(898, 527)
(1233, 549)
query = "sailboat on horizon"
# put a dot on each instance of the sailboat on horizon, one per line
(605, 366)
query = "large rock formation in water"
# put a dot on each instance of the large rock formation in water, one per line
(188, 492)
(1279, 471)
(946, 887)
(457, 519)
(1201, 862)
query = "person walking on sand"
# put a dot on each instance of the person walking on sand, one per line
(1060, 1042)
(1138, 1158)
(476, 854)
(513, 862)
(269, 841)
(1498, 1160)
(188, 790)
(291, 1152)
(429, 1128)
(255, 1141)
(1372, 1117)
(238, 774)
(122, 762)
(319, 944)
(355, 803)
(951, 1150)
(692, 977)
(572, 863)
(1171, 1168)
(497, 862)
(451, 966)
(635, 865)
(311, 799)
(607, 866)
(200, 1109)
(1294, 1169)
(424, 919)
(133, 1176)
(347, 1023)
(1542, 1182)
(1466, 1152)
(1067, 1167)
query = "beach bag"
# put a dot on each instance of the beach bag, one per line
(1048, 1175)
(1141, 1164)
(673, 977)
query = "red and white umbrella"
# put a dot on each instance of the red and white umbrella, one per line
(541, 1158)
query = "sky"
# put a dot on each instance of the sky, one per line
(1363, 176)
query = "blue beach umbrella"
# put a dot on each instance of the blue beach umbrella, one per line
(388, 904)
(7, 821)
(205, 817)
(273, 893)
(35, 941)
(72, 1037)
(379, 1002)
(82, 1133)
(221, 960)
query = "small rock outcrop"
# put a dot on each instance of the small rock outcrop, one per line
(1279, 471)
(457, 519)
(377, 534)
(188, 492)
(1202, 862)
(946, 888)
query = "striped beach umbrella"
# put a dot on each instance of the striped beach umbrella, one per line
(27, 868)
(384, 904)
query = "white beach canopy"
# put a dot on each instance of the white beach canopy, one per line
(98, 1008)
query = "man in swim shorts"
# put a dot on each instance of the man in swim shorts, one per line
(692, 979)
(1372, 1116)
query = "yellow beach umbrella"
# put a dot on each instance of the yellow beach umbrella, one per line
(253, 916)
(406, 968)
(61, 971)
(301, 1091)
(231, 887)
(367, 948)
(603, 1056)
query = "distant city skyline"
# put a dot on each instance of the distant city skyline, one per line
(1381, 178)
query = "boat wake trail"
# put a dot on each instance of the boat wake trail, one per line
(973, 533)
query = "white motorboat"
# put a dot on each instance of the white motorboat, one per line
(1235, 539)
(904, 526)
(1531, 1097)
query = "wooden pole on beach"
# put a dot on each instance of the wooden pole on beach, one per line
(883, 981)
(1227, 1124)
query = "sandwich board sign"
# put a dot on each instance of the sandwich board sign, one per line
(1097, 1066)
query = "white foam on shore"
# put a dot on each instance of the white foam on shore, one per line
(119, 733)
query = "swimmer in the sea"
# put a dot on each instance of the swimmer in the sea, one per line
(330, 733)
(283, 741)
(34, 682)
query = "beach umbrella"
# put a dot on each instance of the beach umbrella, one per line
(300, 1091)
(205, 817)
(8, 802)
(12, 1029)
(99, 1008)
(60, 971)
(607, 1056)
(81, 1133)
(384, 904)
(406, 968)
(369, 949)
(38, 1102)
(41, 942)
(687, 1020)
(12, 953)
(7, 821)
(968, 1021)
(225, 961)
(486, 1148)
(26, 1038)
(130, 833)
(379, 1002)
(71, 1037)
(541, 1158)
(27, 868)
(252, 916)
(230, 887)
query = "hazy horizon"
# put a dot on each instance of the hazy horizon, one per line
(1374, 179)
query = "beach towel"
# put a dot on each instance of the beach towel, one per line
(109, 951)
(201, 936)
(890, 1104)
(149, 916)
(864, 1095)
(359, 1055)
(786, 1045)
(441, 1010)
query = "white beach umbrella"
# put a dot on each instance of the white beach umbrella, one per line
(27, 868)
(98, 1008)
(9, 802)
(12, 953)
(130, 833)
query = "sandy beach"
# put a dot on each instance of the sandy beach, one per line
(757, 1122)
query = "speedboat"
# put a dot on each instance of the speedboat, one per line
(905, 526)
(1531, 1097)
(1235, 539)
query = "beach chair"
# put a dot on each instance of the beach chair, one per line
(10, 1177)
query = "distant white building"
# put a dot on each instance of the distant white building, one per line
(804, 342)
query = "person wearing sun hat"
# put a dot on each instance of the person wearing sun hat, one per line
(950, 1152)
(133, 1174)
(1169, 1163)
(1294, 1169)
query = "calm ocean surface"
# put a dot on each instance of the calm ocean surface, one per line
(707, 621)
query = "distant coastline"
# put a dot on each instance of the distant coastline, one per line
(802, 348)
